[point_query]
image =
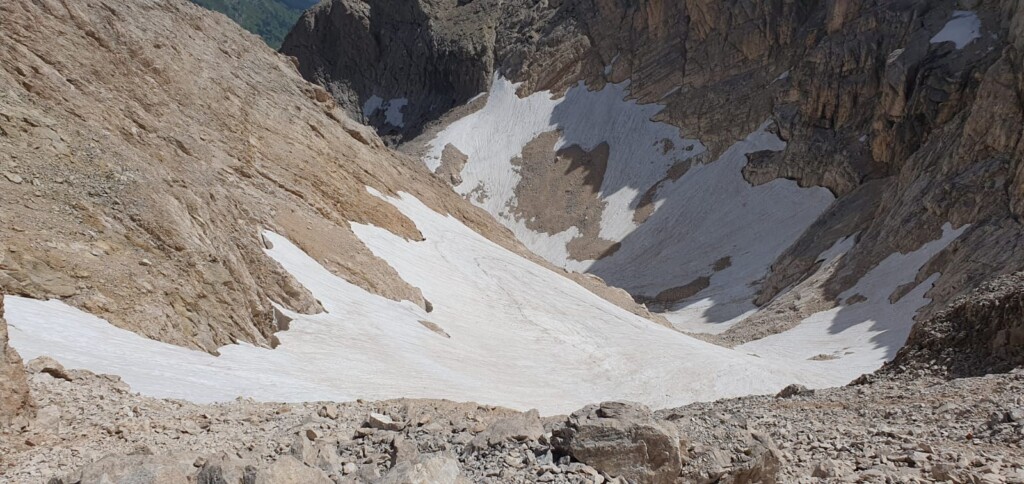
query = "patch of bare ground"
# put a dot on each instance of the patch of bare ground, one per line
(560, 189)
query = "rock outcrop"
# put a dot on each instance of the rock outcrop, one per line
(15, 400)
(353, 48)
(978, 334)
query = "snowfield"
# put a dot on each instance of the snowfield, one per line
(709, 214)
(521, 336)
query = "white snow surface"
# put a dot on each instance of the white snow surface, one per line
(962, 29)
(521, 336)
(392, 109)
(709, 213)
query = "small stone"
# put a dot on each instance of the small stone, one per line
(364, 432)
(328, 411)
(13, 178)
(145, 263)
(384, 422)
(794, 390)
(312, 435)
(349, 468)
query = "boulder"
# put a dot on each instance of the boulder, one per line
(624, 440)
(223, 469)
(147, 469)
(289, 470)
(522, 427)
(383, 422)
(49, 366)
(425, 469)
(794, 390)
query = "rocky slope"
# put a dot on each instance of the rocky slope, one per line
(140, 164)
(897, 108)
(91, 428)
(979, 334)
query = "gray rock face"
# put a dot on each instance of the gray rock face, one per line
(352, 47)
(15, 401)
(623, 439)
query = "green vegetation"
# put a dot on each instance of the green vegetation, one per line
(270, 19)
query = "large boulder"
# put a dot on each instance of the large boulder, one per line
(426, 469)
(521, 427)
(148, 469)
(15, 401)
(623, 439)
(289, 470)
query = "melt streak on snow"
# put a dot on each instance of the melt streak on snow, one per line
(962, 29)
(709, 214)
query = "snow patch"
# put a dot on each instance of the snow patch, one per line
(962, 29)
(394, 115)
(521, 336)
(372, 105)
(392, 109)
(611, 66)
